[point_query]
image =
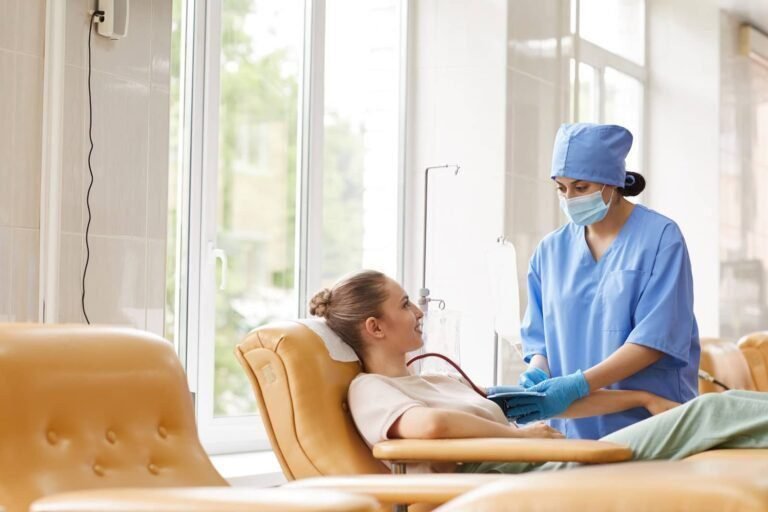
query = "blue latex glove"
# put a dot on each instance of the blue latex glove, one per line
(559, 394)
(523, 401)
(532, 376)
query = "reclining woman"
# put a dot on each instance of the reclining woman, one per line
(371, 313)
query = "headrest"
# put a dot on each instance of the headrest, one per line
(338, 350)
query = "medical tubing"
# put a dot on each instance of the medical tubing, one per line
(448, 360)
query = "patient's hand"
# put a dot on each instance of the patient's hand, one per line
(657, 405)
(539, 430)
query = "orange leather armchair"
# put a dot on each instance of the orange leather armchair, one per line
(94, 408)
(755, 349)
(681, 486)
(724, 361)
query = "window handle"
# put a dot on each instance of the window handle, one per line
(219, 254)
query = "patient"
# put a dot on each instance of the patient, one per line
(371, 313)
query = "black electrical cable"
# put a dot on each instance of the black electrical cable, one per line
(90, 169)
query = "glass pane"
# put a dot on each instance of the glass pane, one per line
(616, 25)
(174, 166)
(624, 106)
(588, 107)
(260, 64)
(360, 169)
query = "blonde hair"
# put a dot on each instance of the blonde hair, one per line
(349, 302)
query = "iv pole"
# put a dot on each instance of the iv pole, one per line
(424, 298)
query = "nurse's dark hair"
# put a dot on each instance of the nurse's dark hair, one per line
(349, 303)
(635, 183)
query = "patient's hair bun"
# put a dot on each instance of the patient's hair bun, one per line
(318, 306)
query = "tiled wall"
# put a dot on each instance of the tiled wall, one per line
(22, 27)
(489, 90)
(537, 103)
(126, 278)
(682, 167)
(743, 183)
(457, 109)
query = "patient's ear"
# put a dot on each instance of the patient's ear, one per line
(373, 327)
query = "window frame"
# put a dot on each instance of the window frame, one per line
(194, 324)
(600, 58)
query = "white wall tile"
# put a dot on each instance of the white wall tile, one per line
(24, 274)
(161, 43)
(27, 142)
(684, 135)
(121, 123)
(8, 157)
(6, 258)
(534, 35)
(70, 277)
(530, 206)
(30, 34)
(129, 58)
(155, 302)
(116, 281)
(533, 116)
(8, 25)
(74, 153)
(158, 165)
(78, 19)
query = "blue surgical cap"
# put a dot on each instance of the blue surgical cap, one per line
(591, 152)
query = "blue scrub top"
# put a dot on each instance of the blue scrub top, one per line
(641, 291)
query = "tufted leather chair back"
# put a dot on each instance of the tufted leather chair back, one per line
(724, 361)
(93, 407)
(302, 397)
(755, 349)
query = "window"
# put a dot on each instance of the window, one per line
(606, 72)
(360, 125)
(287, 135)
(616, 25)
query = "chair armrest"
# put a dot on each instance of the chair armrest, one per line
(205, 499)
(501, 450)
(435, 489)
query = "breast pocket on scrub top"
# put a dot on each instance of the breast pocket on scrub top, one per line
(619, 294)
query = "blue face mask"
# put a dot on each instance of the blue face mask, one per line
(585, 210)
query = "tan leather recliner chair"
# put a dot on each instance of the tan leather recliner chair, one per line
(102, 407)
(755, 349)
(302, 397)
(724, 361)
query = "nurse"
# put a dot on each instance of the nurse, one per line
(610, 294)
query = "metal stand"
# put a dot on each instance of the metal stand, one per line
(398, 468)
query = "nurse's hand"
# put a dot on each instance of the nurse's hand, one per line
(532, 376)
(559, 394)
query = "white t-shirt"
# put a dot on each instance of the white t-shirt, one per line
(377, 401)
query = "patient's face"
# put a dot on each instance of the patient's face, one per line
(401, 319)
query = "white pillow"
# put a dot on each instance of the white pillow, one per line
(338, 350)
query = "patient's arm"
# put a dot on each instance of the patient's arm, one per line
(607, 401)
(434, 423)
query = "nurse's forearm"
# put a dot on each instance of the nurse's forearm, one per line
(606, 401)
(539, 361)
(626, 361)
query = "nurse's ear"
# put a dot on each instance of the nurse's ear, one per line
(611, 193)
